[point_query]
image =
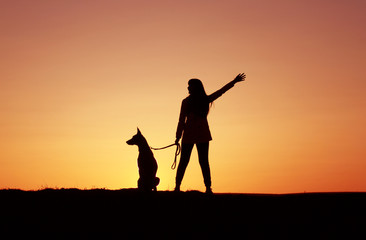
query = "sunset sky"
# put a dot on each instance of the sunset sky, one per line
(78, 77)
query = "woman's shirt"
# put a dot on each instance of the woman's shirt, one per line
(194, 127)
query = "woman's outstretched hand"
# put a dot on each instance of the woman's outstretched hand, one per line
(240, 77)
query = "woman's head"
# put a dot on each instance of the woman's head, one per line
(198, 100)
(195, 87)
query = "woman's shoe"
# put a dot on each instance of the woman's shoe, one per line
(209, 190)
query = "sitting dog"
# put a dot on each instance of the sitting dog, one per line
(146, 163)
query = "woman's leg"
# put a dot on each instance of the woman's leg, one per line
(184, 160)
(202, 149)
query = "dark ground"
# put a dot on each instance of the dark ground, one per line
(126, 214)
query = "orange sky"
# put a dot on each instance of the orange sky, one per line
(78, 77)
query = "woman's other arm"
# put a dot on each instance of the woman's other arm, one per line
(182, 121)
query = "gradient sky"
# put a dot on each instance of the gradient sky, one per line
(78, 77)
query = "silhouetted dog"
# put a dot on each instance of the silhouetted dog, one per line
(146, 163)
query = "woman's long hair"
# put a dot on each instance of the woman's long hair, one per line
(198, 99)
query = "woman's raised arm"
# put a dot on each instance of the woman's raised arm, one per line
(239, 78)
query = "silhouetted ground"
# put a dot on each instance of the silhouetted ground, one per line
(126, 214)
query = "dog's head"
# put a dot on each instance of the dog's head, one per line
(137, 139)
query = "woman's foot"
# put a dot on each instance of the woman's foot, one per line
(209, 190)
(177, 189)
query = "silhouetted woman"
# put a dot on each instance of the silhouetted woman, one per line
(194, 127)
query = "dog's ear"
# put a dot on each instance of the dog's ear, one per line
(138, 131)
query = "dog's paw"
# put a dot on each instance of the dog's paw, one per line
(157, 181)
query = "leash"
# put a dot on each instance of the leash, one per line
(177, 152)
